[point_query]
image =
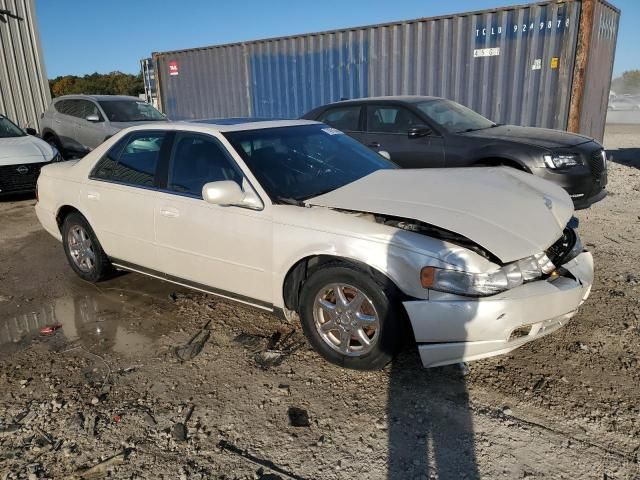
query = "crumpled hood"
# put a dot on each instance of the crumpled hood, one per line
(541, 137)
(510, 213)
(27, 149)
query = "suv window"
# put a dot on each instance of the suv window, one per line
(342, 118)
(199, 159)
(62, 106)
(390, 119)
(133, 160)
(86, 108)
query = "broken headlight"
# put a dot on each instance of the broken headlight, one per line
(562, 161)
(483, 284)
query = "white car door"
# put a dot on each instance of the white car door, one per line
(222, 249)
(120, 197)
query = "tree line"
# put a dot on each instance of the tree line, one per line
(114, 83)
(628, 82)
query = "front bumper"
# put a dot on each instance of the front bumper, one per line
(452, 328)
(586, 183)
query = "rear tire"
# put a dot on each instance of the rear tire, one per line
(349, 318)
(83, 250)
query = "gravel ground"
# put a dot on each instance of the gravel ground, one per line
(144, 380)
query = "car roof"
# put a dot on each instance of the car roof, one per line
(230, 120)
(389, 98)
(234, 127)
(99, 98)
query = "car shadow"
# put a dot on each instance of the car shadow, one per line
(629, 157)
(17, 197)
(429, 418)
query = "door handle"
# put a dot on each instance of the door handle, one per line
(374, 145)
(93, 195)
(169, 212)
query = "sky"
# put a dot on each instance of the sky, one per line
(80, 36)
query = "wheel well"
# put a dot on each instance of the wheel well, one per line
(48, 133)
(498, 161)
(62, 214)
(298, 274)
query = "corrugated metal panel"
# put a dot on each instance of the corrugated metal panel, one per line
(215, 79)
(600, 64)
(514, 65)
(24, 88)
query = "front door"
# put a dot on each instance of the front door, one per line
(90, 134)
(226, 250)
(387, 128)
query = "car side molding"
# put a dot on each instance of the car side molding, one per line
(132, 267)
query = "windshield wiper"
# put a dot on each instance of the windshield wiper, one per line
(476, 129)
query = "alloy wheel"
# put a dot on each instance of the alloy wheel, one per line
(81, 249)
(346, 319)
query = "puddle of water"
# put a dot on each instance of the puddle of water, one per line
(122, 324)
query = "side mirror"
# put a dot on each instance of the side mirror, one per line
(229, 193)
(31, 131)
(418, 131)
(385, 154)
(93, 118)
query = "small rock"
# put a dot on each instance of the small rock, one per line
(506, 410)
(95, 401)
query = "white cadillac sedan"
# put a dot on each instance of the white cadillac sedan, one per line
(297, 217)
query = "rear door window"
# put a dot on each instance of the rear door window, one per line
(343, 118)
(133, 160)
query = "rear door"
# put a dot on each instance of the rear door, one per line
(120, 197)
(223, 249)
(346, 118)
(65, 125)
(387, 127)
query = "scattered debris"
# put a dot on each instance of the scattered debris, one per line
(179, 430)
(50, 330)
(229, 447)
(270, 351)
(194, 346)
(99, 470)
(298, 417)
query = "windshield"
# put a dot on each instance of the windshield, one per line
(454, 117)
(301, 162)
(130, 111)
(8, 129)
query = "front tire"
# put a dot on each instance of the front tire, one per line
(83, 251)
(349, 318)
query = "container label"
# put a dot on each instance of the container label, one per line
(554, 62)
(486, 52)
(537, 64)
(173, 67)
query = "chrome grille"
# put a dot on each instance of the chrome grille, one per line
(596, 163)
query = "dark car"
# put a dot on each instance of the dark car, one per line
(419, 132)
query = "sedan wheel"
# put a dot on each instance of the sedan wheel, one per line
(346, 319)
(351, 318)
(81, 249)
(84, 253)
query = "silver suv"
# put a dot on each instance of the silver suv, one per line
(76, 124)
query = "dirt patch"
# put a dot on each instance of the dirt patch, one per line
(108, 393)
